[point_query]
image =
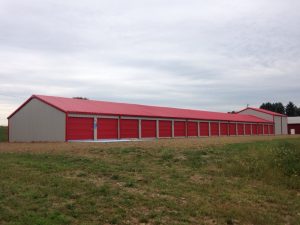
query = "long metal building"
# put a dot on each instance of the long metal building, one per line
(48, 118)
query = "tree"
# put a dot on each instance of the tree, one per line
(298, 112)
(279, 108)
(274, 107)
(267, 106)
(291, 109)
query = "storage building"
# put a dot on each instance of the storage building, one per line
(48, 118)
(294, 125)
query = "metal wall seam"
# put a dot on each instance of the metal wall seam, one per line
(140, 128)
(95, 126)
(173, 129)
(119, 130)
(157, 128)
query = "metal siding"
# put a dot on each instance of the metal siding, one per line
(259, 129)
(214, 129)
(107, 128)
(266, 129)
(232, 129)
(277, 121)
(37, 121)
(204, 128)
(254, 129)
(165, 128)
(294, 126)
(192, 129)
(80, 128)
(148, 129)
(284, 125)
(179, 129)
(224, 129)
(129, 128)
(271, 127)
(248, 129)
(240, 129)
(258, 114)
(293, 120)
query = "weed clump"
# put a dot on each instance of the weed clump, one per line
(287, 159)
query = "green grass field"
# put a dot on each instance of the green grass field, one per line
(240, 183)
(3, 134)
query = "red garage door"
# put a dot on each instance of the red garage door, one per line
(266, 129)
(80, 128)
(179, 129)
(107, 128)
(232, 129)
(148, 128)
(254, 129)
(248, 129)
(224, 128)
(165, 128)
(260, 129)
(271, 127)
(204, 129)
(240, 129)
(192, 129)
(129, 128)
(214, 129)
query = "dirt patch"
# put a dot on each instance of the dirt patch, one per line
(91, 149)
(201, 179)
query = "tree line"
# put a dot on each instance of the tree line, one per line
(290, 109)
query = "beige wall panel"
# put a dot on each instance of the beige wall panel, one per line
(258, 114)
(37, 121)
(277, 120)
(284, 125)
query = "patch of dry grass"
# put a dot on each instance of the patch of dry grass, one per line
(227, 180)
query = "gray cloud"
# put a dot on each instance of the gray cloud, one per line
(218, 55)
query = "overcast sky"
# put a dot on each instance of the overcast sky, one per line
(214, 55)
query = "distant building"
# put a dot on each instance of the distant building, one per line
(294, 124)
(280, 120)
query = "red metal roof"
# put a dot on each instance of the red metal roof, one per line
(78, 106)
(263, 111)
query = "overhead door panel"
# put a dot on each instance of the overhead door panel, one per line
(214, 129)
(165, 128)
(80, 128)
(107, 128)
(224, 128)
(260, 129)
(266, 129)
(248, 129)
(129, 128)
(254, 129)
(204, 129)
(192, 129)
(148, 128)
(240, 129)
(179, 129)
(232, 129)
